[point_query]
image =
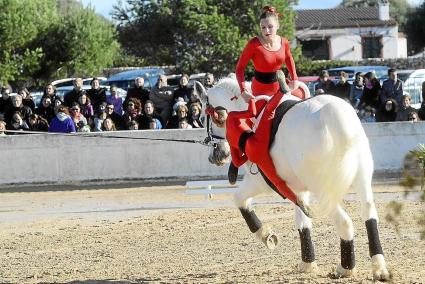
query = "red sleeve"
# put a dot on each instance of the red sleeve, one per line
(289, 60)
(246, 56)
(250, 112)
(237, 159)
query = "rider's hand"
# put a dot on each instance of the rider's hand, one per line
(246, 96)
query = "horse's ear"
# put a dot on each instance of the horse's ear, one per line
(200, 91)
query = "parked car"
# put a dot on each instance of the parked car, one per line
(412, 84)
(381, 71)
(125, 80)
(70, 81)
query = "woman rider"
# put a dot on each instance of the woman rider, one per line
(268, 51)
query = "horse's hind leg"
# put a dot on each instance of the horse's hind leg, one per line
(363, 186)
(304, 227)
(243, 199)
(345, 230)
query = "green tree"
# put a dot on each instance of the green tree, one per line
(82, 43)
(21, 22)
(193, 35)
(399, 9)
(415, 29)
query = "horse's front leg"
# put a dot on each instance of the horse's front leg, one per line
(304, 226)
(248, 189)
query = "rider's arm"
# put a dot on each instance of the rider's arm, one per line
(289, 61)
(250, 112)
(237, 159)
(246, 56)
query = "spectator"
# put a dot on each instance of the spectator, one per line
(413, 117)
(181, 112)
(195, 116)
(392, 88)
(184, 124)
(371, 91)
(115, 100)
(133, 125)
(108, 125)
(209, 80)
(46, 109)
(356, 90)
(50, 91)
(149, 113)
(133, 111)
(57, 102)
(17, 123)
(5, 101)
(325, 83)
(421, 111)
(2, 128)
(369, 115)
(154, 123)
(73, 95)
(137, 92)
(96, 94)
(194, 98)
(99, 117)
(405, 108)
(62, 122)
(183, 91)
(86, 108)
(116, 118)
(342, 88)
(18, 106)
(26, 98)
(162, 97)
(38, 123)
(80, 121)
(387, 111)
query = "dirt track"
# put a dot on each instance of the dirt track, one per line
(126, 236)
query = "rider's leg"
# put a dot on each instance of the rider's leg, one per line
(257, 149)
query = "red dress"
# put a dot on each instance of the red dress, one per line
(264, 61)
(257, 145)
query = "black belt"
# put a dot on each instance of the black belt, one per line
(265, 77)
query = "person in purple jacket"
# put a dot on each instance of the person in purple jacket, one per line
(62, 122)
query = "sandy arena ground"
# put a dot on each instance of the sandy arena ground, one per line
(163, 235)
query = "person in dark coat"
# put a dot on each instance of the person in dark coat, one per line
(371, 91)
(387, 111)
(137, 92)
(183, 91)
(96, 94)
(46, 108)
(73, 95)
(17, 106)
(343, 88)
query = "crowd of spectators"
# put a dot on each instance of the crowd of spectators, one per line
(172, 107)
(81, 110)
(373, 102)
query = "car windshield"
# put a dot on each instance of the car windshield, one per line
(403, 76)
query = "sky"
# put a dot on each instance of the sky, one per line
(104, 7)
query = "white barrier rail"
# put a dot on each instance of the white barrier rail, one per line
(40, 159)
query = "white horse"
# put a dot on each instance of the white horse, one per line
(321, 149)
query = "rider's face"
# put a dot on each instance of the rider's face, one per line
(269, 27)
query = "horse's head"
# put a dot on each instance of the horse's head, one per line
(223, 97)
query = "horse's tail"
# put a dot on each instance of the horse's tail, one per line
(342, 133)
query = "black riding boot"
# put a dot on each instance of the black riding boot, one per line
(232, 174)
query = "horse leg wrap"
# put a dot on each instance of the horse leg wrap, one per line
(251, 219)
(373, 236)
(307, 248)
(348, 260)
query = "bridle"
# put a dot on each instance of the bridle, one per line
(211, 138)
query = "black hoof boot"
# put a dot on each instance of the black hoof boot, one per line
(232, 174)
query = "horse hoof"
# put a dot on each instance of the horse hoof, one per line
(308, 267)
(268, 237)
(380, 271)
(341, 272)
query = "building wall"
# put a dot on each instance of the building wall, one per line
(67, 160)
(346, 44)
